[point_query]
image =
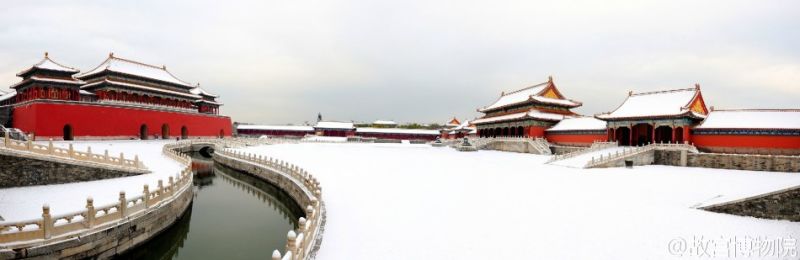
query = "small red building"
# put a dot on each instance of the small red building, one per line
(526, 112)
(656, 117)
(119, 99)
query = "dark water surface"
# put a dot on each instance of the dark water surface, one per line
(234, 216)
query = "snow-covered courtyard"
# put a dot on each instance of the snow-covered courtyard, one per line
(391, 201)
(401, 201)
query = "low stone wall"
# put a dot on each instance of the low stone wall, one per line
(21, 169)
(560, 149)
(511, 146)
(276, 178)
(640, 159)
(782, 204)
(775, 163)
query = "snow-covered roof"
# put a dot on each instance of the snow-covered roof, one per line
(655, 104)
(752, 119)
(579, 123)
(384, 122)
(124, 84)
(533, 114)
(7, 96)
(51, 80)
(48, 64)
(84, 92)
(303, 128)
(453, 122)
(208, 101)
(200, 91)
(135, 68)
(534, 93)
(397, 131)
(334, 125)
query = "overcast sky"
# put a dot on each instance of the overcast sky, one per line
(422, 61)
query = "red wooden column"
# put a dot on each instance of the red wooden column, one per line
(653, 135)
(673, 134)
(630, 135)
(686, 134)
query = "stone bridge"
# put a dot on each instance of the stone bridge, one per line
(638, 156)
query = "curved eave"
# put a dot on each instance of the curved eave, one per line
(185, 86)
(689, 114)
(532, 101)
(761, 129)
(47, 80)
(147, 88)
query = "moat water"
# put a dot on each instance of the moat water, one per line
(233, 216)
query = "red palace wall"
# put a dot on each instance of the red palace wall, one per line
(767, 144)
(535, 131)
(47, 119)
(575, 139)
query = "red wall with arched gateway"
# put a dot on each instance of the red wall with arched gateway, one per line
(748, 143)
(575, 139)
(98, 121)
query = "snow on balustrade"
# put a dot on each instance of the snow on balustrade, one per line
(23, 203)
(71, 153)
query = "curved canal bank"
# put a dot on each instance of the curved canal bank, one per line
(234, 216)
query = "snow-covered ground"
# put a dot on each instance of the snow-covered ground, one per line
(26, 202)
(392, 201)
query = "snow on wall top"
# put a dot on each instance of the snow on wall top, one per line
(649, 104)
(397, 131)
(136, 69)
(752, 119)
(277, 127)
(579, 123)
(334, 125)
(48, 64)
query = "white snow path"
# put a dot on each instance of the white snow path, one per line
(24, 203)
(390, 201)
(581, 160)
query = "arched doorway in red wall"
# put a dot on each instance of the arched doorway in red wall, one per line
(184, 132)
(68, 134)
(143, 132)
(165, 131)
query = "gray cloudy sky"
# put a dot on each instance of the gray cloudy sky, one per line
(284, 61)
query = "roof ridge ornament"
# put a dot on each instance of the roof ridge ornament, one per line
(111, 54)
(697, 86)
(45, 54)
(550, 78)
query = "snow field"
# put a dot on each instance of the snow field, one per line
(392, 201)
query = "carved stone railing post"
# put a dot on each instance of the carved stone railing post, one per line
(29, 143)
(136, 161)
(6, 139)
(171, 186)
(146, 196)
(160, 188)
(90, 212)
(50, 146)
(276, 255)
(123, 204)
(290, 241)
(47, 221)
(71, 151)
(105, 156)
(121, 158)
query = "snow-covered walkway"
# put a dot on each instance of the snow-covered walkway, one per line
(25, 203)
(390, 201)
